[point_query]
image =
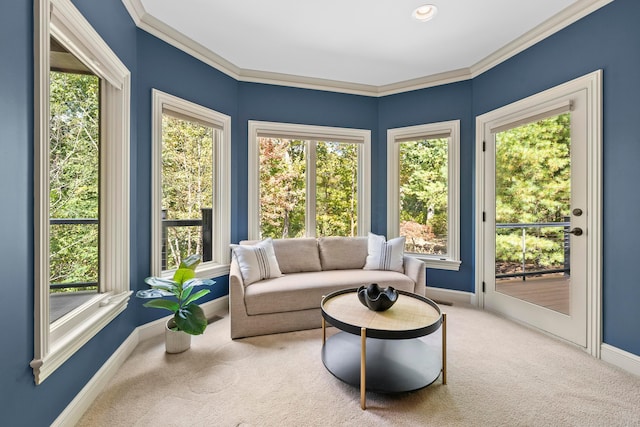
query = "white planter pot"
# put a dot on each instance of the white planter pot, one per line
(175, 341)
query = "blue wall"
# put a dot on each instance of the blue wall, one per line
(23, 403)
(437, 104)
(163, 67)
(607, 39)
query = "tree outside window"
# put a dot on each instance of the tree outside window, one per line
(288, 197)
(424, 195)
(187, 187)
(423, 191)
(308, 181)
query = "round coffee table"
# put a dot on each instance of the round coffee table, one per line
(380, 350)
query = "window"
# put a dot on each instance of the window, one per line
(308, 181)
(74, 193)
(423, 191)
(191, 185)
(81, 165)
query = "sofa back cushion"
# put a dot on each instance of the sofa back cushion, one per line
(297, 255)
(342, 253)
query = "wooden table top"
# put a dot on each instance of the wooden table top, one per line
(410, 313)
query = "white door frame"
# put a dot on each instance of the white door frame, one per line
(592, 83)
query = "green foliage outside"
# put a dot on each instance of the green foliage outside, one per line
(336, 189)
(533, 168)
(282, 187)
(187, 182)
(74, 176)
(283, 182)
(424, 195)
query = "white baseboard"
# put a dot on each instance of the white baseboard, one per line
(83, 400)
(450, 296)
(620, 358)
(78, 406)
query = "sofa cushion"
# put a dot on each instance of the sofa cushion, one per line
(303, 291)
(297, 255)
(257, 261)
(342, 253)
(385, 255)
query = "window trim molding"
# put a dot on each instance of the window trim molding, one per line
(394, 136)
(219, 266)
(311, 132)
(55, 343)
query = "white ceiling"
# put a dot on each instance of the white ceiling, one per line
(364, 44)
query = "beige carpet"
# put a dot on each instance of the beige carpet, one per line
(500, 374)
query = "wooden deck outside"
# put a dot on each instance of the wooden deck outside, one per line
(548, 291)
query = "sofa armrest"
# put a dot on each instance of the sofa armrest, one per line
(416, 270)
(236, 288)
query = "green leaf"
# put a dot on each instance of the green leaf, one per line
(191, 319)
(198, 282)
(163, 303)
(183, 274)
(196, 296)
(190, 262)
(160, 283)
(186, 291)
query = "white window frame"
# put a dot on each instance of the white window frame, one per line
(56, 342)
(450, 261)
(362, 137)
(219, 264)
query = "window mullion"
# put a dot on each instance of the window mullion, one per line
(310, 213)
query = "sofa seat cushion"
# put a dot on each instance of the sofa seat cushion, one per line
(302, 291)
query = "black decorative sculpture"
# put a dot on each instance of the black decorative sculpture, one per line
(377, 299)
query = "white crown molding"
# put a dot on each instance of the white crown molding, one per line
(290, 80)
(568, 16)
(439, 79)
(153, 26)
(178, 40)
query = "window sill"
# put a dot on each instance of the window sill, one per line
(439, 263)
(212, 271)
(87, 322)
(209, 270)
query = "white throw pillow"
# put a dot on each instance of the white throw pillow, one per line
(383, 255)
(257, 261)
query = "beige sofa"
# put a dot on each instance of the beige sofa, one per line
(311, 269)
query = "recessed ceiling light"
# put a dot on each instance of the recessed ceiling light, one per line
(425, 12)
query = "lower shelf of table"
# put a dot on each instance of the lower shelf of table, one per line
(392, 366)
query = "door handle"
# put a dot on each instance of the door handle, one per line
(576, 231)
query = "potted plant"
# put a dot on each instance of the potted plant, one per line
(188, 317)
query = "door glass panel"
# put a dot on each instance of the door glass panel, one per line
(533, 196)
